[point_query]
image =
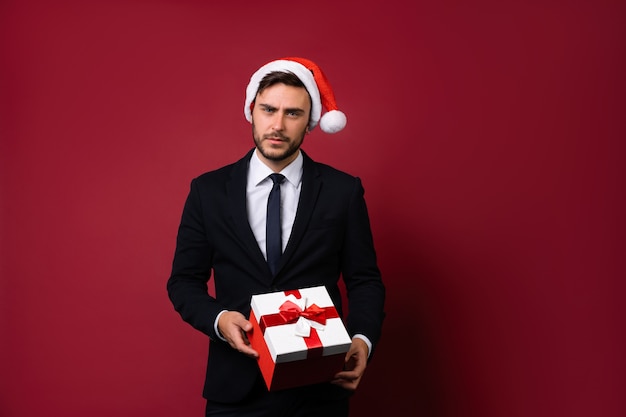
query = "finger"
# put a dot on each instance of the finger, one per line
(242, 344)
(349, 385)
(247, 350)
(347, 375)
(245, 338)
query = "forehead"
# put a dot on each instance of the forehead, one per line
(281, 95)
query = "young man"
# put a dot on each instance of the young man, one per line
(324, 235)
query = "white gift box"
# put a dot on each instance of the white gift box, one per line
(300, 338)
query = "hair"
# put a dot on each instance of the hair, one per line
(279, 77)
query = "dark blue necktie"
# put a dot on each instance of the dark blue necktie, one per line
(274, 244)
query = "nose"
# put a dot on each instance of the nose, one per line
(278, 123)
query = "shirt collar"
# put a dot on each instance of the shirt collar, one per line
(258, 171)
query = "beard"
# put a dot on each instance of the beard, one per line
(272, 153)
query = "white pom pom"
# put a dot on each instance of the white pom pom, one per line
(333, 121)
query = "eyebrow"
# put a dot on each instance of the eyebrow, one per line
(288, 110)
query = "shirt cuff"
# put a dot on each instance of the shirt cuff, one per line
(366, 340)
(217, 331)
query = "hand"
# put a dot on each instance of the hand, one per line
(233, 327)
(354, 368)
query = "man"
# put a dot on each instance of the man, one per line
(325, 233)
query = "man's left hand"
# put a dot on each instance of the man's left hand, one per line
(355, 364)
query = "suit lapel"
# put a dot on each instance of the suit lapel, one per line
(311, 184)
(236, 191)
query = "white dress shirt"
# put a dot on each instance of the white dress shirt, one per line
(258, 190)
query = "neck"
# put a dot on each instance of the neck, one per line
(277, 166)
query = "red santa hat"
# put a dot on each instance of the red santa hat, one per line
(315, 83)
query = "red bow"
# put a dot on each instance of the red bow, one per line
(291, 312)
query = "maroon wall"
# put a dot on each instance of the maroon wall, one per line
(490, 139)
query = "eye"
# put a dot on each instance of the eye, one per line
(295, 113)
(267, 109)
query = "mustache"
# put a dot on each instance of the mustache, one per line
(276, 135)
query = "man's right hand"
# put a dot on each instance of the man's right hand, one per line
(233, 327)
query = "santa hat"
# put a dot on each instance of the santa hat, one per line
(315, 83)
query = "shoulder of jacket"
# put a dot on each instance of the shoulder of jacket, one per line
(225, 172)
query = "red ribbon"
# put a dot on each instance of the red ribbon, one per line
(289, 312)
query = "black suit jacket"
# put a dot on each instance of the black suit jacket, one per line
(331, 238)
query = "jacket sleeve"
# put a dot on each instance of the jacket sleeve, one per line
(191, 269)
(362, 277)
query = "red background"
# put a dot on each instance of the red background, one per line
(490, 139)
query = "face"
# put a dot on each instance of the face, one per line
(280, 119)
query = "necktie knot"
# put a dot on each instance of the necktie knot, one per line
(277, 178)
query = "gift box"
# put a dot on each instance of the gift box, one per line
(300, 338)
